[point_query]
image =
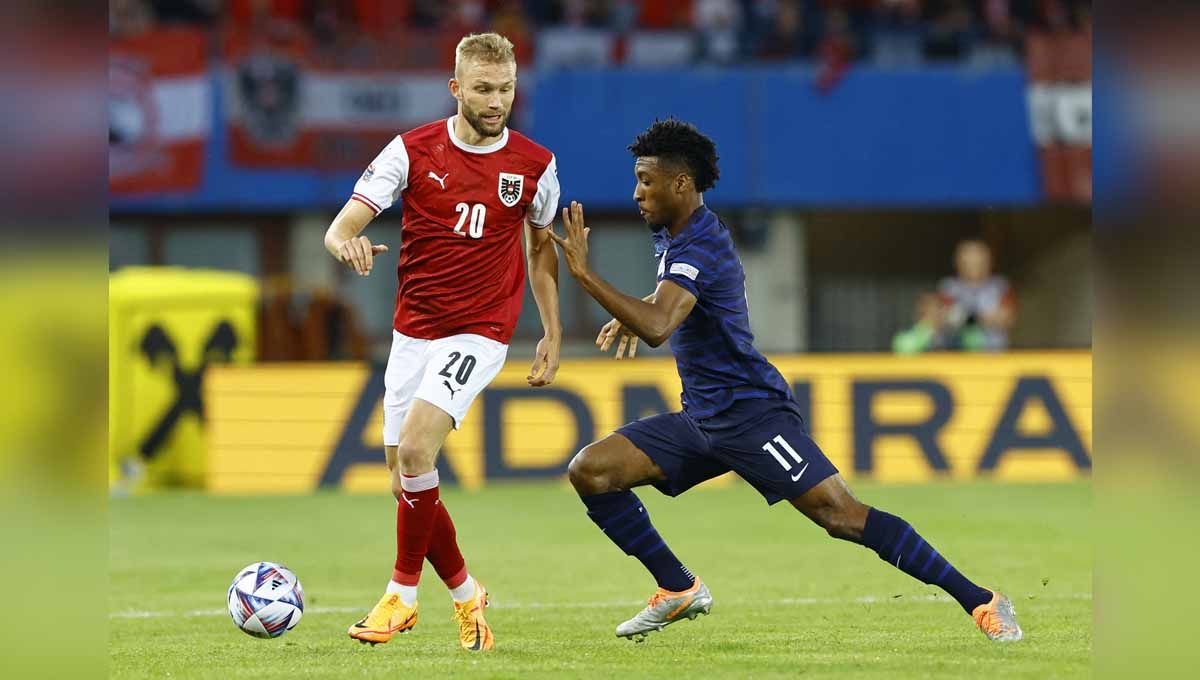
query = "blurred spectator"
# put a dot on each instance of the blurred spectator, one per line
(981, 307)
(249, 11)
(927, 334)
(950, 30)
(664, 14)
(1001, 37)
(186, 11)
(575, 13)
(602, 32)
(543, 12)
(462, 17)
(129, 18)
(510, 22)
(624, 15)
(468, 16)
(267, 21)
(898, 32)
(786, 37)
(661, 49)
(836, 50)
(1000, 25)
(427, 13)
(719, 22)
(1054, 15)
(1081, 15)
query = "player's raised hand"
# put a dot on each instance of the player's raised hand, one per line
(574, 244)
(611, 331)
(545, 362)
(358, 254)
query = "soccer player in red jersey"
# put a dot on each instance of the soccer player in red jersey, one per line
(470, 187)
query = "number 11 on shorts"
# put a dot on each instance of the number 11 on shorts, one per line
(769, 447)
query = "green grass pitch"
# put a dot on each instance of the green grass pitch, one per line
(788, 600)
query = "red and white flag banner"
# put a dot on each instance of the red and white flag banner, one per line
(1060, 107)
(159, 111)
(285, 111)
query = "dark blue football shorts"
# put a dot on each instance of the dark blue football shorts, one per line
(764, 441)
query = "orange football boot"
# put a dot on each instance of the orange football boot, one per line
(474, 633)
(390, 616)
(997, 619)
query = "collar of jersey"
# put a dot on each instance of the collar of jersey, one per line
(693, 225)
(471, 148)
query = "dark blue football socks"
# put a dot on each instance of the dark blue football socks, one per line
(898, 544)
(623, 518)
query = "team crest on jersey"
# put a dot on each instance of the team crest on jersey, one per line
(510, 188)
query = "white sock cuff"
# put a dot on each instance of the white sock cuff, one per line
(465, 591)
(423, 482)
(408, 594)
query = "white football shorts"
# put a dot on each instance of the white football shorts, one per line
(448, 373)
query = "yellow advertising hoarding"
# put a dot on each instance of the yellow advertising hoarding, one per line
(293, 428)
(166, 326)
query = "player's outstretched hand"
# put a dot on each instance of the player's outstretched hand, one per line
(610, 332)
(574, 244)
(358, 254)
(545, 362)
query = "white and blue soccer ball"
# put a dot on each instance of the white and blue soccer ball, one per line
(265, 600)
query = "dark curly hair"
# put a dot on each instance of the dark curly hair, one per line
(678, 142)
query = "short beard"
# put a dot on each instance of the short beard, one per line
(477, 124)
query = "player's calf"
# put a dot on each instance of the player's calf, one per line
(898, 543)
(831, 505)
(602, 473)
(836, 511)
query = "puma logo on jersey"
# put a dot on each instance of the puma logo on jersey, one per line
(452, 390)
(440, 180)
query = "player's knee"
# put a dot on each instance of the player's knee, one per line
(588, 474)
(414, 459)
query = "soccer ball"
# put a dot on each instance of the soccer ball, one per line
(265, 600)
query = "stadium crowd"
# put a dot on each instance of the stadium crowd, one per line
(644, 32)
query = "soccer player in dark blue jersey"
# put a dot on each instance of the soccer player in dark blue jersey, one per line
(738, 412)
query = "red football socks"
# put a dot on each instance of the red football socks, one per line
(444, 554)
(416, 516)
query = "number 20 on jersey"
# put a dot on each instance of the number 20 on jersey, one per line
(477, 214)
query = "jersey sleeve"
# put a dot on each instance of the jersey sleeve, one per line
(384, 179)
(688, 267)
(545, 201)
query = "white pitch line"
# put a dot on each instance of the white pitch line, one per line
(784, 602)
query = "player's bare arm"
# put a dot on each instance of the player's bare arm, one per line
(614, 328)
(343, 241)
(653, 322)
(542, 261)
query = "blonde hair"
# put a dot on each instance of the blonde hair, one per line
(485, 48)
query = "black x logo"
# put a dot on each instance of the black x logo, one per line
(189, 385)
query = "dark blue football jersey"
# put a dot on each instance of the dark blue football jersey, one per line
(713, 347)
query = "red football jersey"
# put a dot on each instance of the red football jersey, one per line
(462, 267)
